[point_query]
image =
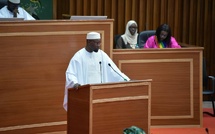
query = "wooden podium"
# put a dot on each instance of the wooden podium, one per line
(109, 108)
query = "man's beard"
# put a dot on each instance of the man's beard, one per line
(96, 50)
(14, 10)
(10, 9)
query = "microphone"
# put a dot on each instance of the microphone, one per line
(100, 63)
(15, 12)
(117, 72)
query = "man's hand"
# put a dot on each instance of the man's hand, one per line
(15, 11)
(76, 86)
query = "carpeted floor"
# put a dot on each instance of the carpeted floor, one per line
(208, 123)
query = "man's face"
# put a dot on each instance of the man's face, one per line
(12, 6)
(94, 45)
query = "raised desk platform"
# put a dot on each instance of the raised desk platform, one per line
(176, 98)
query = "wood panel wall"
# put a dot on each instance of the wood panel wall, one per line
(34, 56)
(192, 21)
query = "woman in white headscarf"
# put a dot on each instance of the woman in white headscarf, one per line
(129, 38)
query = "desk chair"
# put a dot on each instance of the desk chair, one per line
(116, 37)
(143, 36)
(208, 87)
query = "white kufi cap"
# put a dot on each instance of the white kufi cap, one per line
(15, 1)
(93, 35)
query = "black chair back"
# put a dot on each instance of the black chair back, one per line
(208, 89)
(143, 36)
(116, 37)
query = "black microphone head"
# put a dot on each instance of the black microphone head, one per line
(206, 129)
(109, 64)
(100, 62)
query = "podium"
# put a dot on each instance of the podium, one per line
(109, 108)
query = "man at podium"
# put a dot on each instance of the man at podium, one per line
(91, 65)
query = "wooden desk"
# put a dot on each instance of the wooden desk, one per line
(176, 96)
(34, 56)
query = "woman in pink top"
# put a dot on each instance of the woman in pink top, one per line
(162, 39)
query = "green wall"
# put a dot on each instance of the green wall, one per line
(39, 9)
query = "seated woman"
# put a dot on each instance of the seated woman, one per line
(162, 39)
(129, 38)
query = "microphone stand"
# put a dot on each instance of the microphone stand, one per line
(117, 72)
(100, 70)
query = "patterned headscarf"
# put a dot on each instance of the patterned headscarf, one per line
(127, 37)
